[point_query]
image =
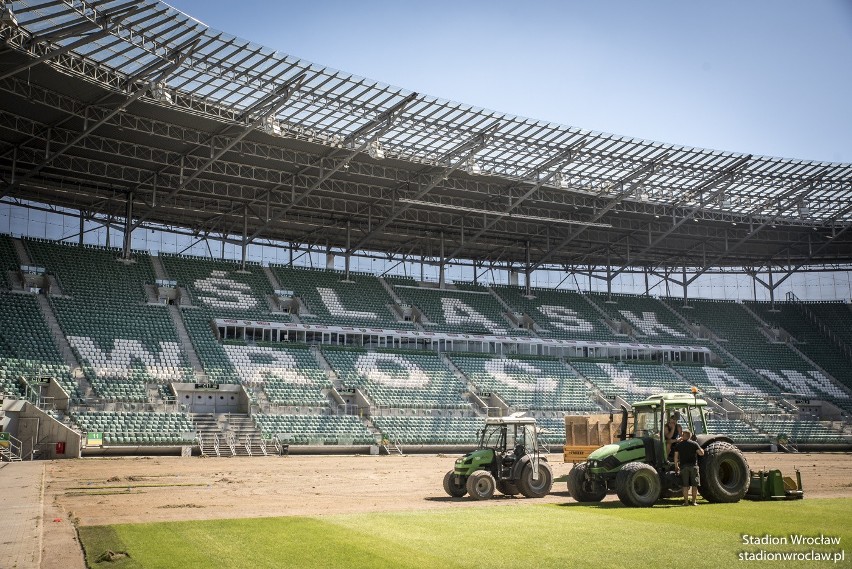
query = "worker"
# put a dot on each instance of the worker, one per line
(686, 456)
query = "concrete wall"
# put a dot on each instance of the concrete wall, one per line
(36, 429)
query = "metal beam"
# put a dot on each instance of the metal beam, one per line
(726, 174)
(268, 105)
(462, 153)
(787, 195)
(637, 175)
(372, 130)
(105, 22)
(556, 162)
(139, 93)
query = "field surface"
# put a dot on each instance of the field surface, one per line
(360, 511)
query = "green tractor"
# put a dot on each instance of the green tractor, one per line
(508, 460)
(637, 466)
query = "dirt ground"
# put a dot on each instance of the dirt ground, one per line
(154, 489)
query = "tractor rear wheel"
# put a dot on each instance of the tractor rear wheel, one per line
(450, 486)
(638, 485)
(581, 489)
(724, 473)
(531, 488)
(481, 485)
(507, 488)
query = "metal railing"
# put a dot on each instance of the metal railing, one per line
(12, 451)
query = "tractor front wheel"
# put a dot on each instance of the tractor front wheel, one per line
(450, 486)
(581, 489)
(531, 488)
(724, 473)
(638, 485)
(481, 485)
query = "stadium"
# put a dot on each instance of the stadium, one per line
(213, 250)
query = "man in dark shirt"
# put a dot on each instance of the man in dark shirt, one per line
(686, 456)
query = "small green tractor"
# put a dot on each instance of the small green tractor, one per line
(508, 460)
(637, 466)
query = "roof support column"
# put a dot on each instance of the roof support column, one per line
(528, 271)
(647, 286)
(441, 275)
(754, 285)
(513, 275)
(128, 226)
(348, 251)
(608, 280)
(82, 224)
(14, 164)
(245, 239)
(685, 288)
(771, 290)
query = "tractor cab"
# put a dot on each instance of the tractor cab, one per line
(509, 439)
(647, 422)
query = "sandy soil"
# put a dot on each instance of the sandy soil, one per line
(145, 489)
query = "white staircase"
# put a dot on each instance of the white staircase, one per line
(183, 336)
(56, 332)
(159, 270)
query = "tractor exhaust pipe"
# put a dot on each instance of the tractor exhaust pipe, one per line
(623, 434)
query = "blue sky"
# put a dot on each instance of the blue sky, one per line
(769, 77)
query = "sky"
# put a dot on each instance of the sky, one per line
(764, 77)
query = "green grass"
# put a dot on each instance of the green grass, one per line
(519, 535)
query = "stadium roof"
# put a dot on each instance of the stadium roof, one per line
(118, 104)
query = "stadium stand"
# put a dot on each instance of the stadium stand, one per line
(417, 380)
(739, 431)
(836, 315)
(27, 348)
(122, 343)
(289, 375)
(128, 346)
(214, 360)
(755, 404)
(729, 380)
(742, 337)
(800, 431)
(329, 299)
(809, 339)
(222, 287)
(461, 311)
(136, 428)
(553, 430)
(429, 430)
(650, 320)
(559, 314)
(8, 260)
(631, 381)
(527, 383)
(315, 429)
